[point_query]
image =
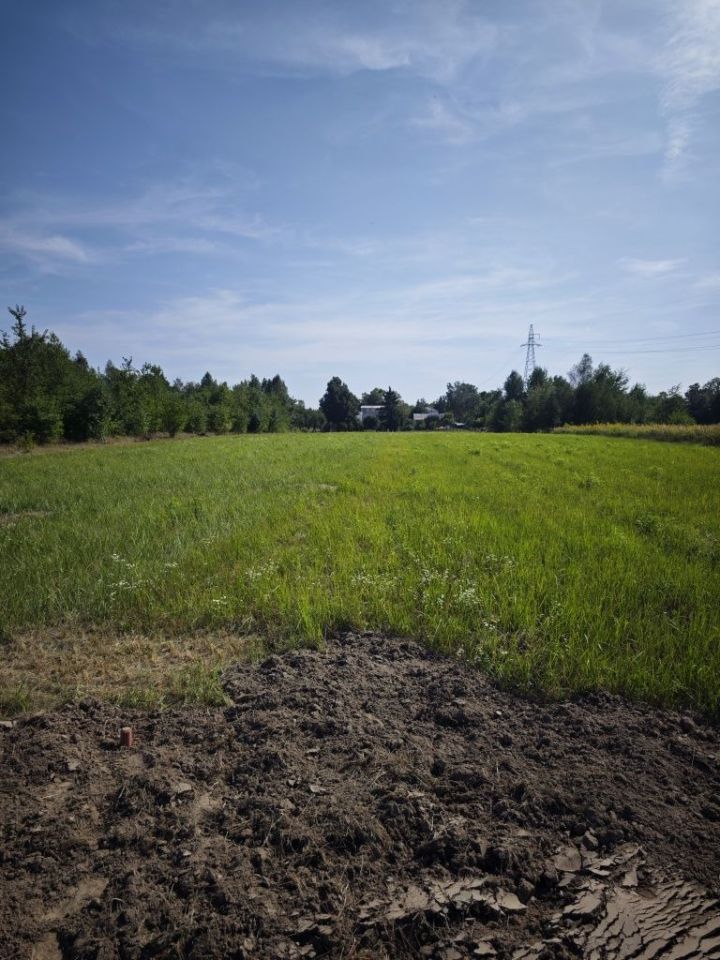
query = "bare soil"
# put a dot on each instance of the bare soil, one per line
(373, 800)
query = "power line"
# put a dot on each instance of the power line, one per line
(696, 349)
(506, 365)
(673, 336)
(532, 342)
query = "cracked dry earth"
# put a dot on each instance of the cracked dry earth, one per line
(374, 800)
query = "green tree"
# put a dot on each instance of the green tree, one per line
(392, 415)
(277, 389)
(542, 406)
(153, 389)
(218, 418)
(339, 405)
(600, 393)
(306, 418)
(462, 400)
(582, 371)
(40, 383)
(375, 398)
(276, 421)
(672, 407)
(129, 415)
(506, 416)
(637, 405)
(174, 413)
(196, 421)
(704, 402)
(514, 387)
(538, 378)
(88, 415)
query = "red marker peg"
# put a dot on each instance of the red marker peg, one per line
(126, 737)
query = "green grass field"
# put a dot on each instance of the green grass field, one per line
(557, 562)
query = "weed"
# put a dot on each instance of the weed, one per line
(144, 697)
(197, 684)
(15, 699)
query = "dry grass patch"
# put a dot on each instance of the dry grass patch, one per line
(45, 667)
(10, 518)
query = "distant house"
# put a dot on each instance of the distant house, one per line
(370, 410)
(426, 415)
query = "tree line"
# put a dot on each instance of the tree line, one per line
(47, 394)
(589, 394)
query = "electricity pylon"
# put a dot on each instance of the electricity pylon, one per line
(530, 355)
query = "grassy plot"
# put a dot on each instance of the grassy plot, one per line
(556, 561)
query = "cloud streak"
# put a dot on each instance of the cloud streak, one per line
(195, 203)
(423, 38)
(50, 253)
(689, 66)
(187, 215)
(650, 268)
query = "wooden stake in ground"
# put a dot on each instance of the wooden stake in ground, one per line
(126, 737)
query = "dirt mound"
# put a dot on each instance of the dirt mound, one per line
(373, 800)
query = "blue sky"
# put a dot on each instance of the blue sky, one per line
(388, 191)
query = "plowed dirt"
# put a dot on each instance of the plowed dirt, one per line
(372, 800)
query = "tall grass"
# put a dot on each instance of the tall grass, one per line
(556, 562)
(691, 433)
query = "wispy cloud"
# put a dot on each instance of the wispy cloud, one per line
(188, 215)
(711, 281)
(689, 65)
(429, 321)
(650, 268)
(422, 37)
(192, 203)
(199, 245)
(447, 121)
(474, 117)
(596, 147)
(50, 253)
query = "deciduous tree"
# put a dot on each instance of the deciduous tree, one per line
(339, 405)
